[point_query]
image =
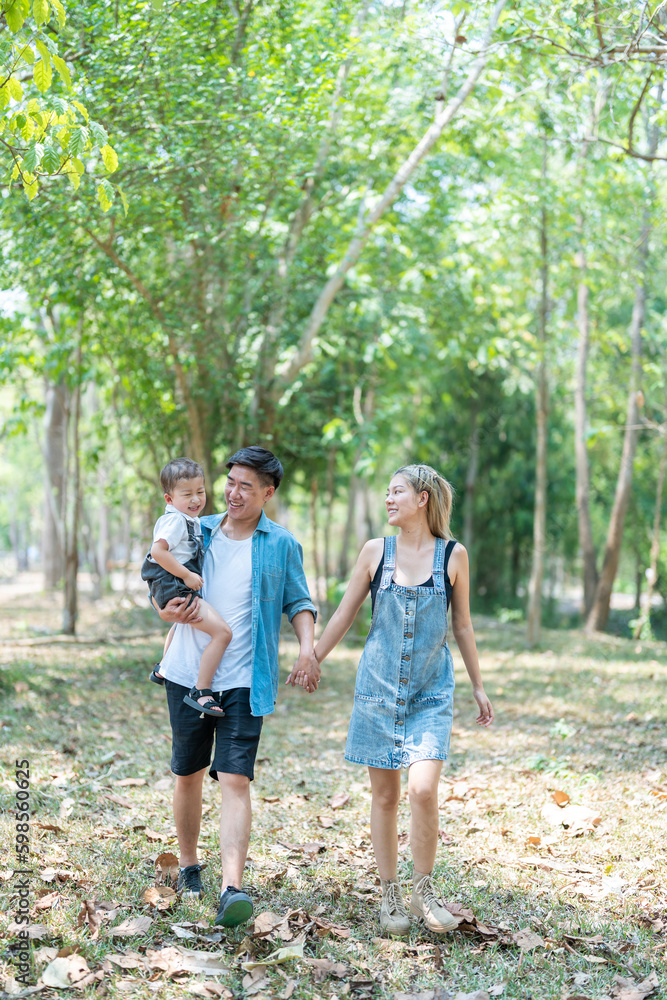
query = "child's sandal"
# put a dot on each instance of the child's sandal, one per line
(156, 677)
(210, 706)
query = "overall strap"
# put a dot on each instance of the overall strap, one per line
(191, 529)
(448, 551)
(438, 562)
(389, 561)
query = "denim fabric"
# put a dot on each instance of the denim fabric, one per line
(162, 585)
(403, 698)
(278, 587)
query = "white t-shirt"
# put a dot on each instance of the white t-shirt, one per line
(227, 578)
(173, 527)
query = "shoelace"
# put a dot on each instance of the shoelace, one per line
(191, 878)
(427, 889)
(394, 899)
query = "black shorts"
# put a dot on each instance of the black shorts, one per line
(236, 734)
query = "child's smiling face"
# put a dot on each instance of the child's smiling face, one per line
(189, 496)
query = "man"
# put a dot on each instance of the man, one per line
(253, 573)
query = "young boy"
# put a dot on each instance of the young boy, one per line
(173, 566)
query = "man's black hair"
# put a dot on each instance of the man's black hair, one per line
(264, 462)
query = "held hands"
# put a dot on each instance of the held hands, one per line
(193, 580)
(305, 673)
(485, 717)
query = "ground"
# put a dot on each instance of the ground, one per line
(553, 849)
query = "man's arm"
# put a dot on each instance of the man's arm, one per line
(303, 623)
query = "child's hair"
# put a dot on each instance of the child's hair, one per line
(268, 468)
(178, 469)
(423, 478)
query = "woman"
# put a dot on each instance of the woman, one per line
(402, 714)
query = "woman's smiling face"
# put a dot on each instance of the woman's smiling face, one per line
(402, 502)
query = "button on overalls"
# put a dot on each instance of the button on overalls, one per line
(405, 682)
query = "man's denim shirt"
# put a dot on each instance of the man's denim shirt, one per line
(278, 587)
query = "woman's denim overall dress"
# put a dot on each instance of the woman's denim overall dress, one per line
(405, 682)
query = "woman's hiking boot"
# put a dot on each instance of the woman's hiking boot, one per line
(426, 904)
(394, 918)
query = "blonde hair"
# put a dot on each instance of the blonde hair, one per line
(424, 479)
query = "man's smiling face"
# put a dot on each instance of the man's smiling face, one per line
(245, 494)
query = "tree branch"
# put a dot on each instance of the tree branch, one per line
(304, 350)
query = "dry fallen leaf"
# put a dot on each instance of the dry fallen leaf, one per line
(277, 957)
(477, 995)
(560, 798)
(325, 967)
(48, 826)
(326, 821)
(628, 989)
(527, 939)
(166, 868)
(339, 800)
(131, 926)
(65, 972)
(48, 901)
(266, 922)
(535, 841)
(497, 990)
(162, 897)
(119, 800)
(129, 782)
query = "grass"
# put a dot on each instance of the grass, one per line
(581, 716)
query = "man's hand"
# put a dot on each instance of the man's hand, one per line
(175, 611)
(305, 673)
(193, 581)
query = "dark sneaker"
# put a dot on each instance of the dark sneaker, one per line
(235, 907)
(189, 881)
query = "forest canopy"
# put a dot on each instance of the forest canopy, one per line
(360, 234)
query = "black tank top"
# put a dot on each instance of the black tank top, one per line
(377, 579)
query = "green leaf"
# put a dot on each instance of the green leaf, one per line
(30, 186)
(25, 53)
(105, 195)
(43, 50)
(81, 108)
(15, 88)
(51, 160)
(15, 16)
(33, 157)
(126, 207)
(78, 142)
(109, 158)
(74, 178)
(4, 97)
(60, 12)
(98, 134)
(42, 76)
(63, 71)
(41, 11)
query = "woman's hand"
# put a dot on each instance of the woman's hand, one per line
(485, 717)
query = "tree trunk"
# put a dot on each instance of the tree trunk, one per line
(315, 542)
(590, 572)
(541, 411)
(652, 574)
(73, 523)
(343, 563)
(599, 613)
(471, 481)
(55, 431)
(331, 496)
